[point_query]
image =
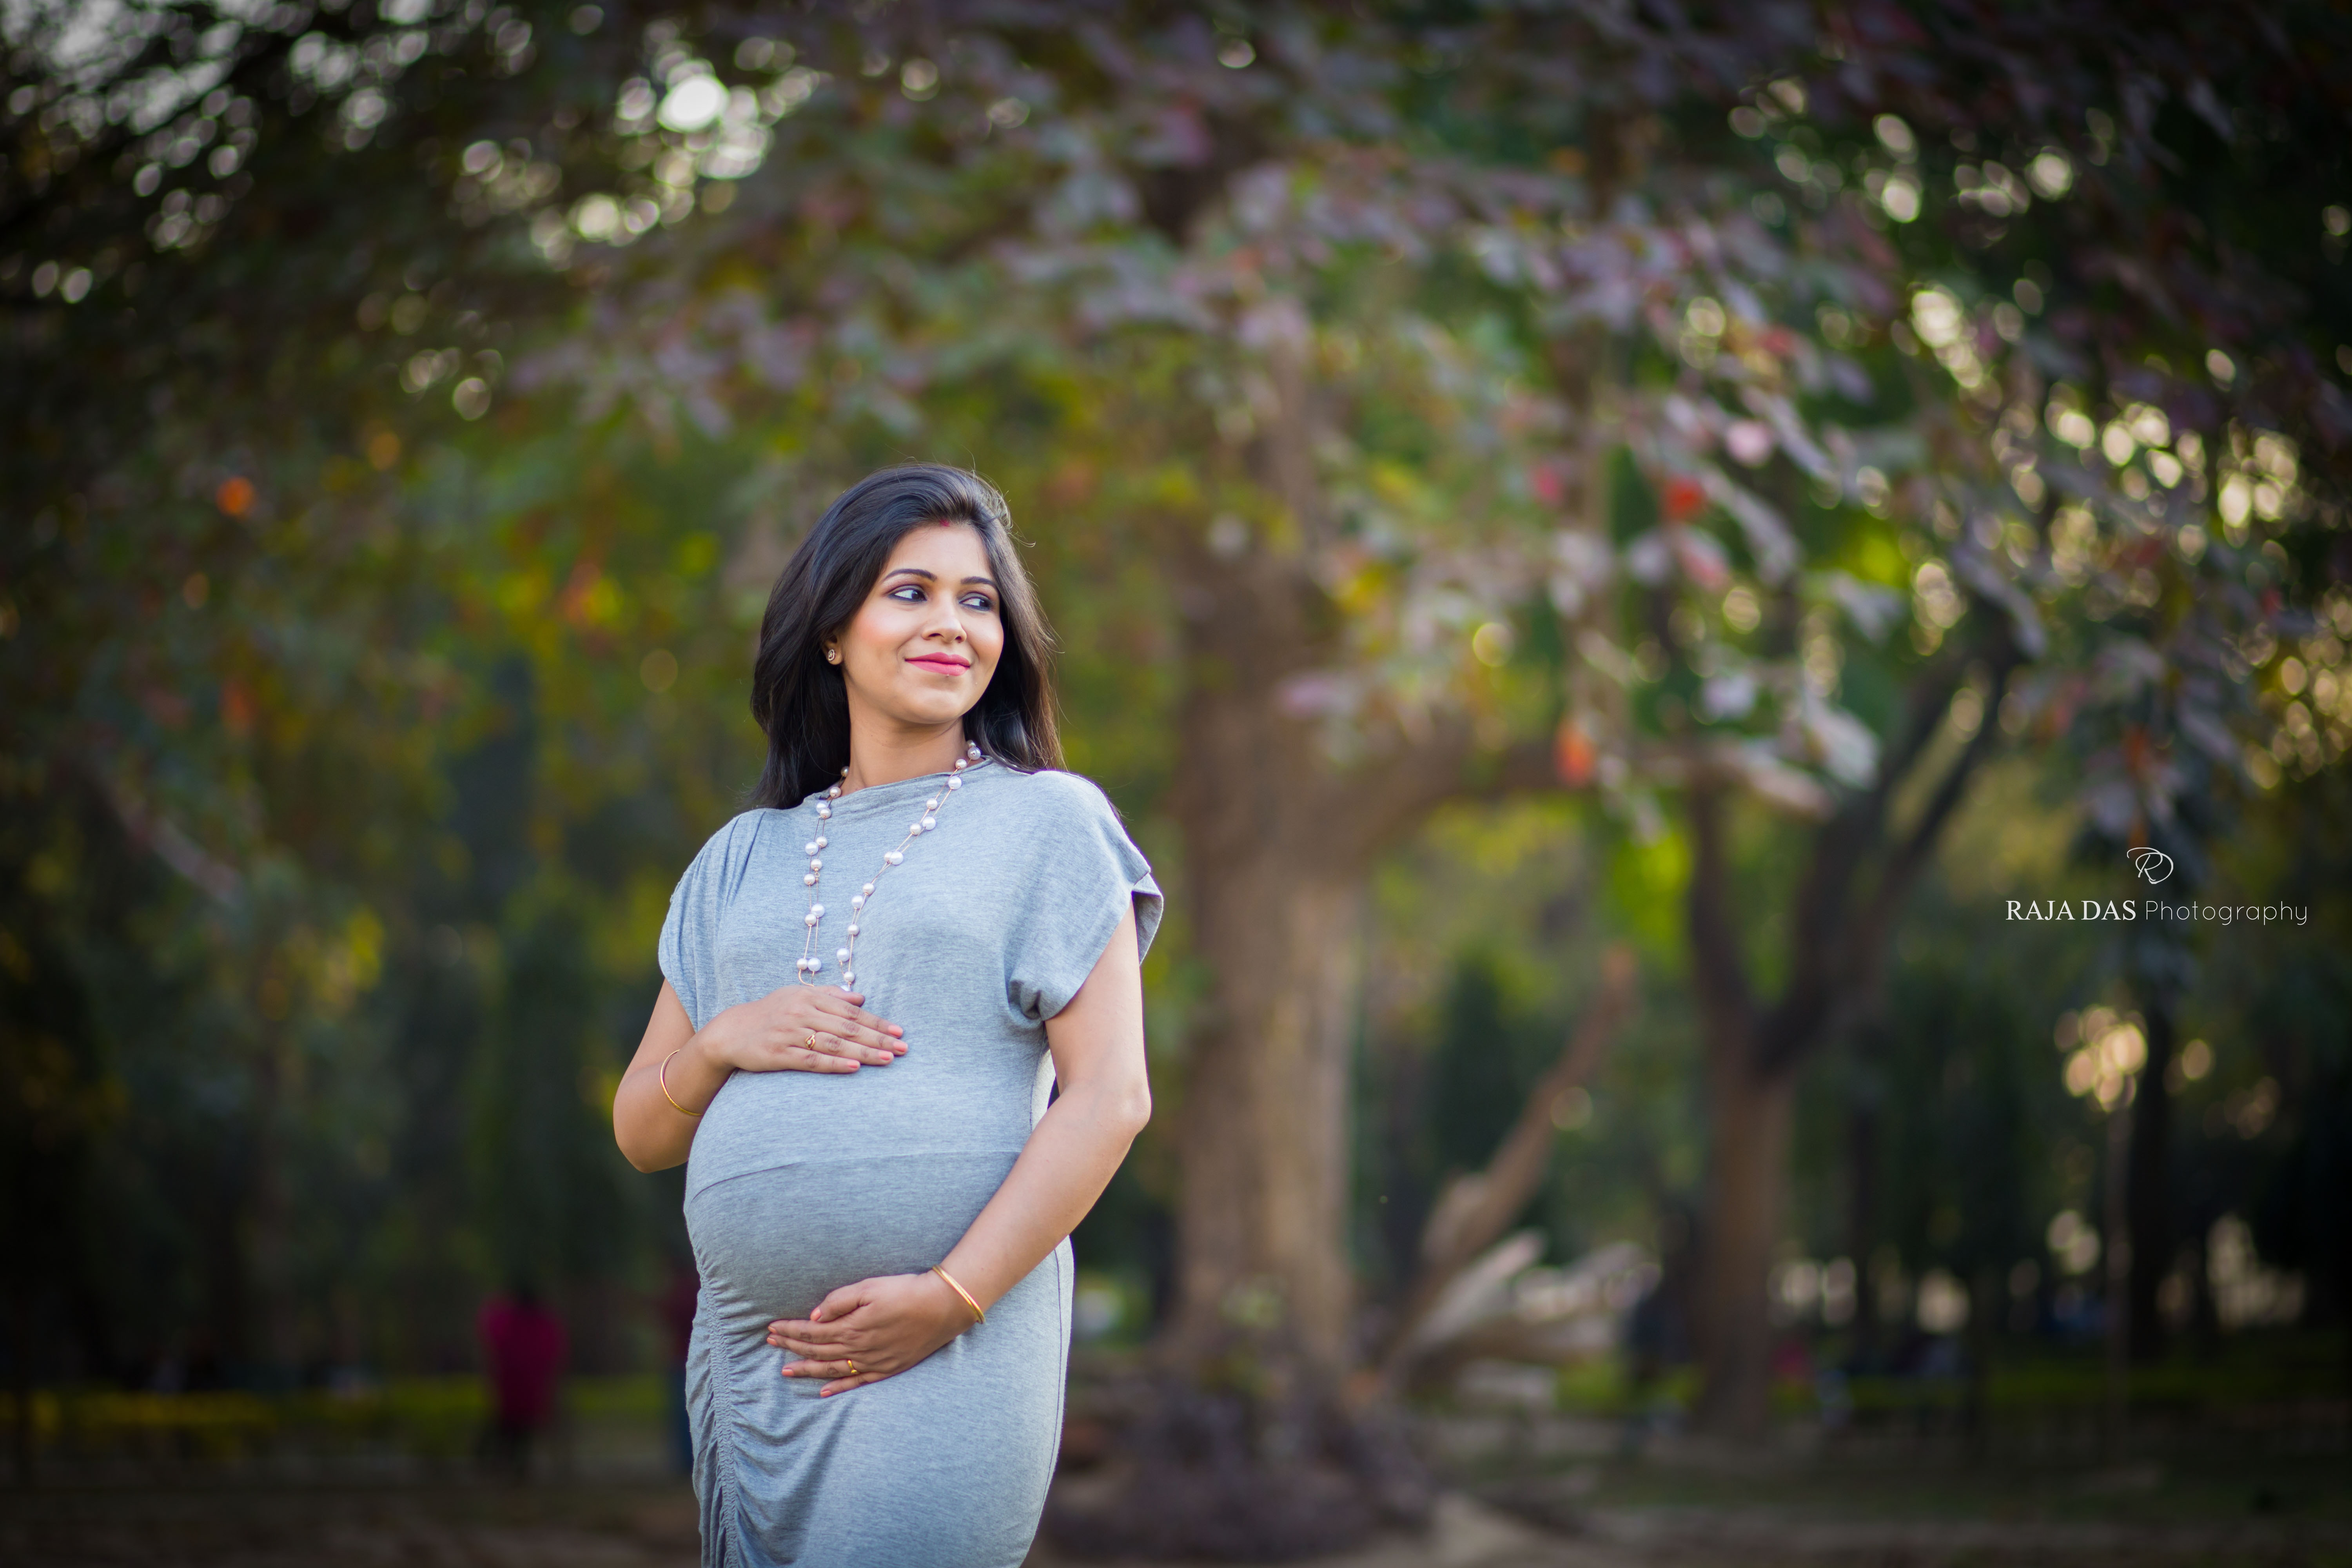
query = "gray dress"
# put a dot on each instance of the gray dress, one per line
(801, 1182)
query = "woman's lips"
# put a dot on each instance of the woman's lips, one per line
(945, 666)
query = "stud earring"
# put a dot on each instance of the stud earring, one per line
(833, 656)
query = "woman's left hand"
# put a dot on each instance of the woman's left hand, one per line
(875, 1328)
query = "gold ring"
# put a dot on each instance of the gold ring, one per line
(809, 1043)
(853, 1366)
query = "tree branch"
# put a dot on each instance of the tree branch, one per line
(1475, 1210)
(1836, 948)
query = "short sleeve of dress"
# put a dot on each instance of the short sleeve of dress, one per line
(1083, 872)
(689, 934)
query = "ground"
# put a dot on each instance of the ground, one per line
(1523, 1496)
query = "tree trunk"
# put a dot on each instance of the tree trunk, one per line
(268, 1251)
(1749, 1114)
(1262, 1138)
(2116, 1223)
(1862, 1213)
(1247, 1450)
(1273, 877)
(1858, 873)
(2148, 1194)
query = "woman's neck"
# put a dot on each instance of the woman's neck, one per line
(883, 754)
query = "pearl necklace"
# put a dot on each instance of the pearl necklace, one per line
(846, 956)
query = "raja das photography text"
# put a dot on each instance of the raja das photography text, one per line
(2156, 909)
(2152, 866)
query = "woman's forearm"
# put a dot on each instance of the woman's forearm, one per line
(655, 1130)
(1070, 1158)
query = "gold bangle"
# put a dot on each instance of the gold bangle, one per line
(664, 1077)
(977, 1314)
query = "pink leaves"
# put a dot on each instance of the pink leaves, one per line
(1749, 442)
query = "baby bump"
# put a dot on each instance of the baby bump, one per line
(772, 1244)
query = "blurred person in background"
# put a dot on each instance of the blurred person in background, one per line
(880, 1201)
(523, 1351)
(676, 1308)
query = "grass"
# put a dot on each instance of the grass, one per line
(428, 1417)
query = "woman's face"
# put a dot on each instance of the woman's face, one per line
(920, 650)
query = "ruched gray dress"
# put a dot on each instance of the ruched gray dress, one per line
(801, 1182)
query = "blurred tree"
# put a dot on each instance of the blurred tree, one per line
(212, 613)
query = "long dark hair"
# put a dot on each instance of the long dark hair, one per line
(800, 700)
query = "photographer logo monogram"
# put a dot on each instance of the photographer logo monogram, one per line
(2152, 866)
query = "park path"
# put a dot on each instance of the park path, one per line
(232, 1526)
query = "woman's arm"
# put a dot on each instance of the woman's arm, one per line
(887, 1325)
(772, 1035)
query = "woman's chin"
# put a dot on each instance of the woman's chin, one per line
(931, 710)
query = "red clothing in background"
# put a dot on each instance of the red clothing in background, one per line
(523, 1351)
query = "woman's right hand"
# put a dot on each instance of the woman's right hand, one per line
(802, 1028)
(678, 1072)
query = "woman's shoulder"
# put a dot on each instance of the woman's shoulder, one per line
(735, 839)
(1053, 795)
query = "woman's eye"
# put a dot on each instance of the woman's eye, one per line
(910, 595)
(978, 602)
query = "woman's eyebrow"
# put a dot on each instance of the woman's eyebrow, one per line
(928, 575)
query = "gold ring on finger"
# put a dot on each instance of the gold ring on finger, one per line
(810, 1043)
(851, 1364)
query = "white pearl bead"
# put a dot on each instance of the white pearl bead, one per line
(815, 863)
(930, 823)
(961, 764)
(869, 890)
(823, 812)
(892, 858)
(858, 901)
(809, 919)
(814, 846)
(915, 830)
(932, 803)
(817, 909)
(833, 794)
(955, 784)
(847, 979)
(853, 928)
(841, 954)
(809, 881)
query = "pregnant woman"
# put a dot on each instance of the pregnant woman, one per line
(874, 982)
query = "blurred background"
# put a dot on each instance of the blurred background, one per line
(1726, 625)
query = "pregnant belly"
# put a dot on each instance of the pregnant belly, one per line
(772, 1244)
